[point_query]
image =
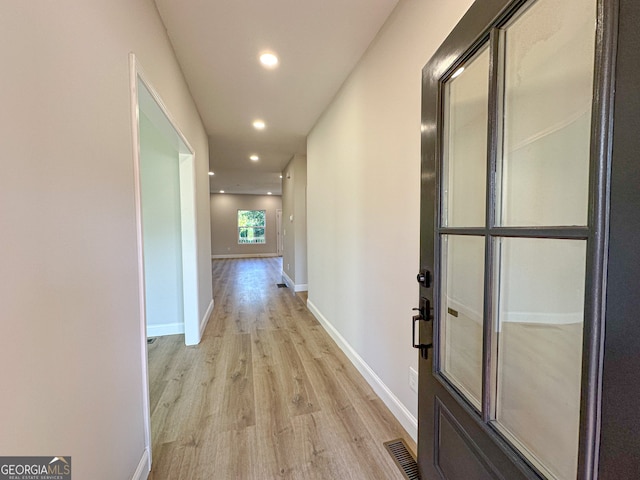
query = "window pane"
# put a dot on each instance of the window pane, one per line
(251, 235)
(548, 90)
(539, 349)
(461, 313)
(465, 144)
(251, 226)
(251, 218)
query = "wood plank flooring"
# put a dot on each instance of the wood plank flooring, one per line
(266, 395)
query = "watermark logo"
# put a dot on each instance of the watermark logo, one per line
(35, 468)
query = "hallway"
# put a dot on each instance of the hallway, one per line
(267, 394)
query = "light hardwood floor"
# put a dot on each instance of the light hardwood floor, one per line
(266, 395)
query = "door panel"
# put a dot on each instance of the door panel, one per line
(511, 188)
(619, 453)
(456, 455)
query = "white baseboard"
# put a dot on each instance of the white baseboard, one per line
(245, 255)
(165, 329)
(144, 467)
(300, 287)
(404, 416)
(205, 320)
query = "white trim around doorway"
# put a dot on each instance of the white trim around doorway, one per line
(193, 325)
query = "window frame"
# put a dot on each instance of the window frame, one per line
(263, 226)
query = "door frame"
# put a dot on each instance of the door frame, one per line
(188, 223)
(474, 29)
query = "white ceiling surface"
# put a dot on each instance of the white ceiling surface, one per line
(217, 43)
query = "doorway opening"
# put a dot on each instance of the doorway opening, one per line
(164, 171)
(280, 243)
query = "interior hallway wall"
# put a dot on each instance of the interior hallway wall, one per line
(363, 160)
(294, 222)
(71, 344)
(224, 224)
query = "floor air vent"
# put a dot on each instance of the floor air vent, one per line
(281, 285)
(403, 458)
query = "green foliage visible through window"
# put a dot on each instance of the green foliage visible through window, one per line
(251, 226)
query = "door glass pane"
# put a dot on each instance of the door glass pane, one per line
(466, 100)
(461, 313)
(543, 175)
(539, 328)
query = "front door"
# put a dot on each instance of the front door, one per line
(512, 242)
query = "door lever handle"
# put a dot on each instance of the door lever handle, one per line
(424, 309)
(424, 313)
(423, 347)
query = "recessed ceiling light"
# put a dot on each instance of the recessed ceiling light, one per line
(269, 193)
(221, 191)
(280, 176)
(269, 60)
(258, 124)
(211, 173)
(255, 158)
(457, 73)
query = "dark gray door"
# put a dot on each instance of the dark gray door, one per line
(516, 158)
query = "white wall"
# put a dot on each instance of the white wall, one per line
(224, 224)
(363, 160)
(162, 231)
(70, 348)
(294, 221)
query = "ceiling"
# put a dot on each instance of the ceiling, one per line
(218, 42)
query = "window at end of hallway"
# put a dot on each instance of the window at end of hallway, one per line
(251, 226)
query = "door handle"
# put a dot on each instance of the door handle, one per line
(424, 313)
